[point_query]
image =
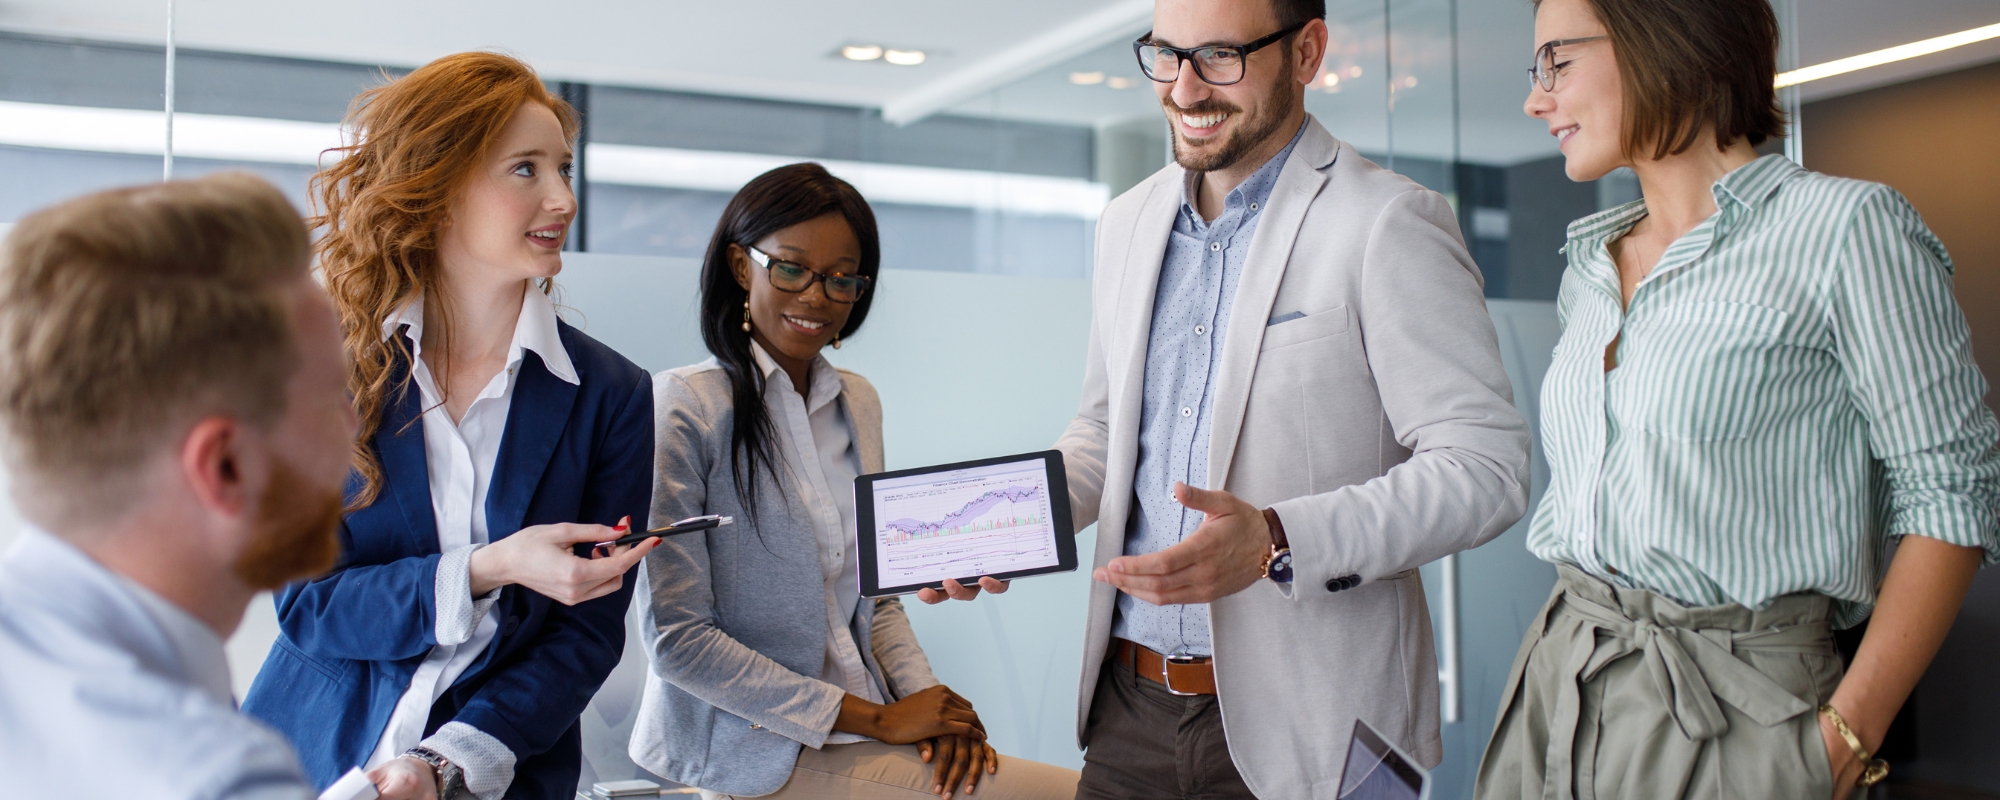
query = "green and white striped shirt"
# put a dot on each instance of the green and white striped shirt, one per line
(1794, 388)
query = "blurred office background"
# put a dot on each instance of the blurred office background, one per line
(989, 136)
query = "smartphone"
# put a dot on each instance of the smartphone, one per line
(689, 525)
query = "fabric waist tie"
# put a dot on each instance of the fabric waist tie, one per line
(1688, 652)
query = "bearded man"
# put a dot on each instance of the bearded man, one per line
(1293, 398)
(177, 429)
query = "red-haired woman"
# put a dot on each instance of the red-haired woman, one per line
(458, 641)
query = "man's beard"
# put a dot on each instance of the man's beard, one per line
(297, 532)
(1249, 134)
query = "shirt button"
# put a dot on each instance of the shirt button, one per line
(1253, 206)
(1201, 330)
(1215, 247)
(1187, 412)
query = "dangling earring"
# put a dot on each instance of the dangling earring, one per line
(746, 315)
(836, 341)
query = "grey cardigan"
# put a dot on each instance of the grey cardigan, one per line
(737, 615)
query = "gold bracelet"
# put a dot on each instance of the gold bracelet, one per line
(1873, 770)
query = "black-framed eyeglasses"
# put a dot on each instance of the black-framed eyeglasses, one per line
(1543, 73)
(791, 276)
(1216, 64)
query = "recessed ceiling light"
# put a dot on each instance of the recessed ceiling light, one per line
(1330, 80)
(1118, 83)
(1086, 78)
(861, 52)
(1354, 71)
(903, 58)
(1887, 55)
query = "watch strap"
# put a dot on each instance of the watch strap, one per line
(450, 778)
(1277, 526)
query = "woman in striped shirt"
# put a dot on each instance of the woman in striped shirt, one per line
(1763, 389)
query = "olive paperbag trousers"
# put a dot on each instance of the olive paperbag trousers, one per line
(1625, 694)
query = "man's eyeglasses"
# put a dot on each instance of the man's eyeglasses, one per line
(789, 276)
(1543, 73)
(1218, 64)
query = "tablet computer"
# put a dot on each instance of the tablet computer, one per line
(1006, 517)
(1376, 770)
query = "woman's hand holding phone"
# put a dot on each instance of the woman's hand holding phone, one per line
(541, 558)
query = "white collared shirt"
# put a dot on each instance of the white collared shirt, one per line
(460, 458)
(820, 449)
(109, 691)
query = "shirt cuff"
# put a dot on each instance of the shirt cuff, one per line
(488, 765)
(458, 612)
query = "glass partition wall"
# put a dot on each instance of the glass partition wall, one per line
(1007, 181)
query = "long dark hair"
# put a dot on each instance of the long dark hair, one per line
(769, 203)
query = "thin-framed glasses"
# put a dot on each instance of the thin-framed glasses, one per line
(1216, 64)
(791, 276)
(1543, 73)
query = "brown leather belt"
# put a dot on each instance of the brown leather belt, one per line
(1182, 675)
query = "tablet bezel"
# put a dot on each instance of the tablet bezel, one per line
(1060, 522)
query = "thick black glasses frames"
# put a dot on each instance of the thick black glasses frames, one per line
(1217, 65)
(1543, 73)
(787, 276)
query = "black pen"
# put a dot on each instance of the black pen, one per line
(689, 525)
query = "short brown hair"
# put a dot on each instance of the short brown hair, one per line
(127, 315)
(1687, 65)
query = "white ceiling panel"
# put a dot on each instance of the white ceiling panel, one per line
(784, 49)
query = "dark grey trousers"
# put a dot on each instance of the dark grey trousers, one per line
(1148, 744)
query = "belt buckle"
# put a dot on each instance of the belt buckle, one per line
(1167, 674)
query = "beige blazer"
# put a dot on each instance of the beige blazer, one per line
(1380, 425)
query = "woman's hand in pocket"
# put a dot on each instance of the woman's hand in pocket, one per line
(542, 558)
(1840, 758)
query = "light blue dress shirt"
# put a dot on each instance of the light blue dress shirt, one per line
(1203, 264)
(109, 691)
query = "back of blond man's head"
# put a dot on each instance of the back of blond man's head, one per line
(128, 315)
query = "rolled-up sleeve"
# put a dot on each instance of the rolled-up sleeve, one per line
(1904, 345)
(458, 612)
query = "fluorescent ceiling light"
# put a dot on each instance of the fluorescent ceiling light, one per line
(120, 130)
(705, 170)
(903, 58)
(1887, 56)
(861, 52)
(1118, 83)
(1086, 78)
(224, 138)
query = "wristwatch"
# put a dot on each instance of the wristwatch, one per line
(450, 779)
(1278, 563)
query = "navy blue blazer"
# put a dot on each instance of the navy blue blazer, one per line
(352, 639)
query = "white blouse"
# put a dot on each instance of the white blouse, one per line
(818, 441)
(460, 459)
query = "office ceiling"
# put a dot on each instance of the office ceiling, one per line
(1011, 59)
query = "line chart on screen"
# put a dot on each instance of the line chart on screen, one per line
(977, 522)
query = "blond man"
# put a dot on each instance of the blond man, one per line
(172, 397)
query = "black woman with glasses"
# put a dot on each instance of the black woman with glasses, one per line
(771, 674)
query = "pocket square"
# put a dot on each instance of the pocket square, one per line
(1285, 317)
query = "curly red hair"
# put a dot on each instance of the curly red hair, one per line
(381, 208)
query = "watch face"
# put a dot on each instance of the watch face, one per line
(1281, 567)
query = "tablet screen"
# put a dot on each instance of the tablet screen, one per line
(962, 521)
(1377, 771)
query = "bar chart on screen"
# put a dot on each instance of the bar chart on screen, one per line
(979, 521)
